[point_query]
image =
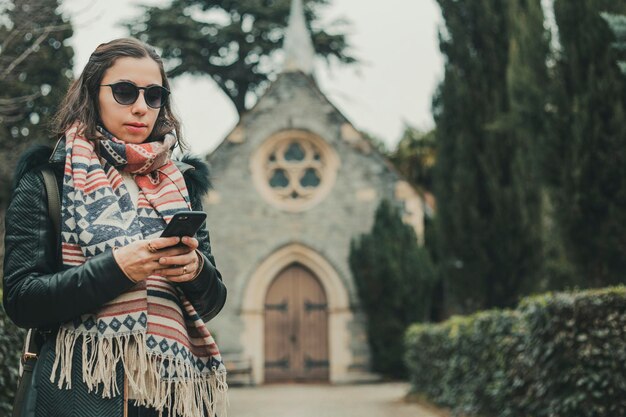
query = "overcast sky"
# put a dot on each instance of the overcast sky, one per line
(396, 41)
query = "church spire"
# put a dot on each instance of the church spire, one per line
(298, 45)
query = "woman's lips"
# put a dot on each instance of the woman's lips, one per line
(135, 128)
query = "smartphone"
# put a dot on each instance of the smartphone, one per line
(184, 223)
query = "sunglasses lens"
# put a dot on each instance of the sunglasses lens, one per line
(155, 96)
(125, 93)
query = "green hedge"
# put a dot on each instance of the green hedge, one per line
(11, 340)
(556, 355)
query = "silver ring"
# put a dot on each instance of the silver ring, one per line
(184, 270)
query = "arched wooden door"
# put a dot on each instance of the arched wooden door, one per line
(296, 328)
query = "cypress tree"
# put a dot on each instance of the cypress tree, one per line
(528, 122)
(587, 149)
(487, 199)
(394, 278)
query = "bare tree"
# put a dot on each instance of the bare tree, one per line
(24, 26)
(35, 72)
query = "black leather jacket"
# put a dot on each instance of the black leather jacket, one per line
(39, 293)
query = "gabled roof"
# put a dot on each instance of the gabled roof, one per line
(312, 85)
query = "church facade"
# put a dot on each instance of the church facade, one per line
(293, 183)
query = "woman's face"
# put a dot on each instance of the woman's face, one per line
(134, 122)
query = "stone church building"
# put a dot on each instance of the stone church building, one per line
(293, 183)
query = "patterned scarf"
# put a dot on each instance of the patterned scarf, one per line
(170, 358)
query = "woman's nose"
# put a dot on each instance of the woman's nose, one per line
(140, 106)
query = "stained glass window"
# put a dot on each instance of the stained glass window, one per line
(310, 178)
(294, 169)
(279, 179)
(294, 152)
(304, 161)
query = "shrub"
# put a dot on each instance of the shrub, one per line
(577, 343)
(556, 355)
(394, 278)
(463, 363)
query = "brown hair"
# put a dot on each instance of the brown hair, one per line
(81, 101)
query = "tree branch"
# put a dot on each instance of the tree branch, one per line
(10, 106)
(24, 54)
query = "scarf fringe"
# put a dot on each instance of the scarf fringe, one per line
(188, 396)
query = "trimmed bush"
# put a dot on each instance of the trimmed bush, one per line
(463, 363)
(577, 343)
(555, 355)
(394, 278)
(11, 340)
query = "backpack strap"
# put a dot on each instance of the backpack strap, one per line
(54, 199)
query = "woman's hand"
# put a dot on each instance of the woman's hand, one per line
(140, 259)
(180, 264)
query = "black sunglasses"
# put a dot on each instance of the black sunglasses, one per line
(125, 92)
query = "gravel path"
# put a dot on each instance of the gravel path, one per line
(294, 400)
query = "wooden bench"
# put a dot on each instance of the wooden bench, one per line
(238, 365)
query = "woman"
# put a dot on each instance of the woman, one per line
(121, 310)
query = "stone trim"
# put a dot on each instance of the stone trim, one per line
(268, 159)
(339, 313)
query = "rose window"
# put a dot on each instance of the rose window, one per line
(294, 169)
